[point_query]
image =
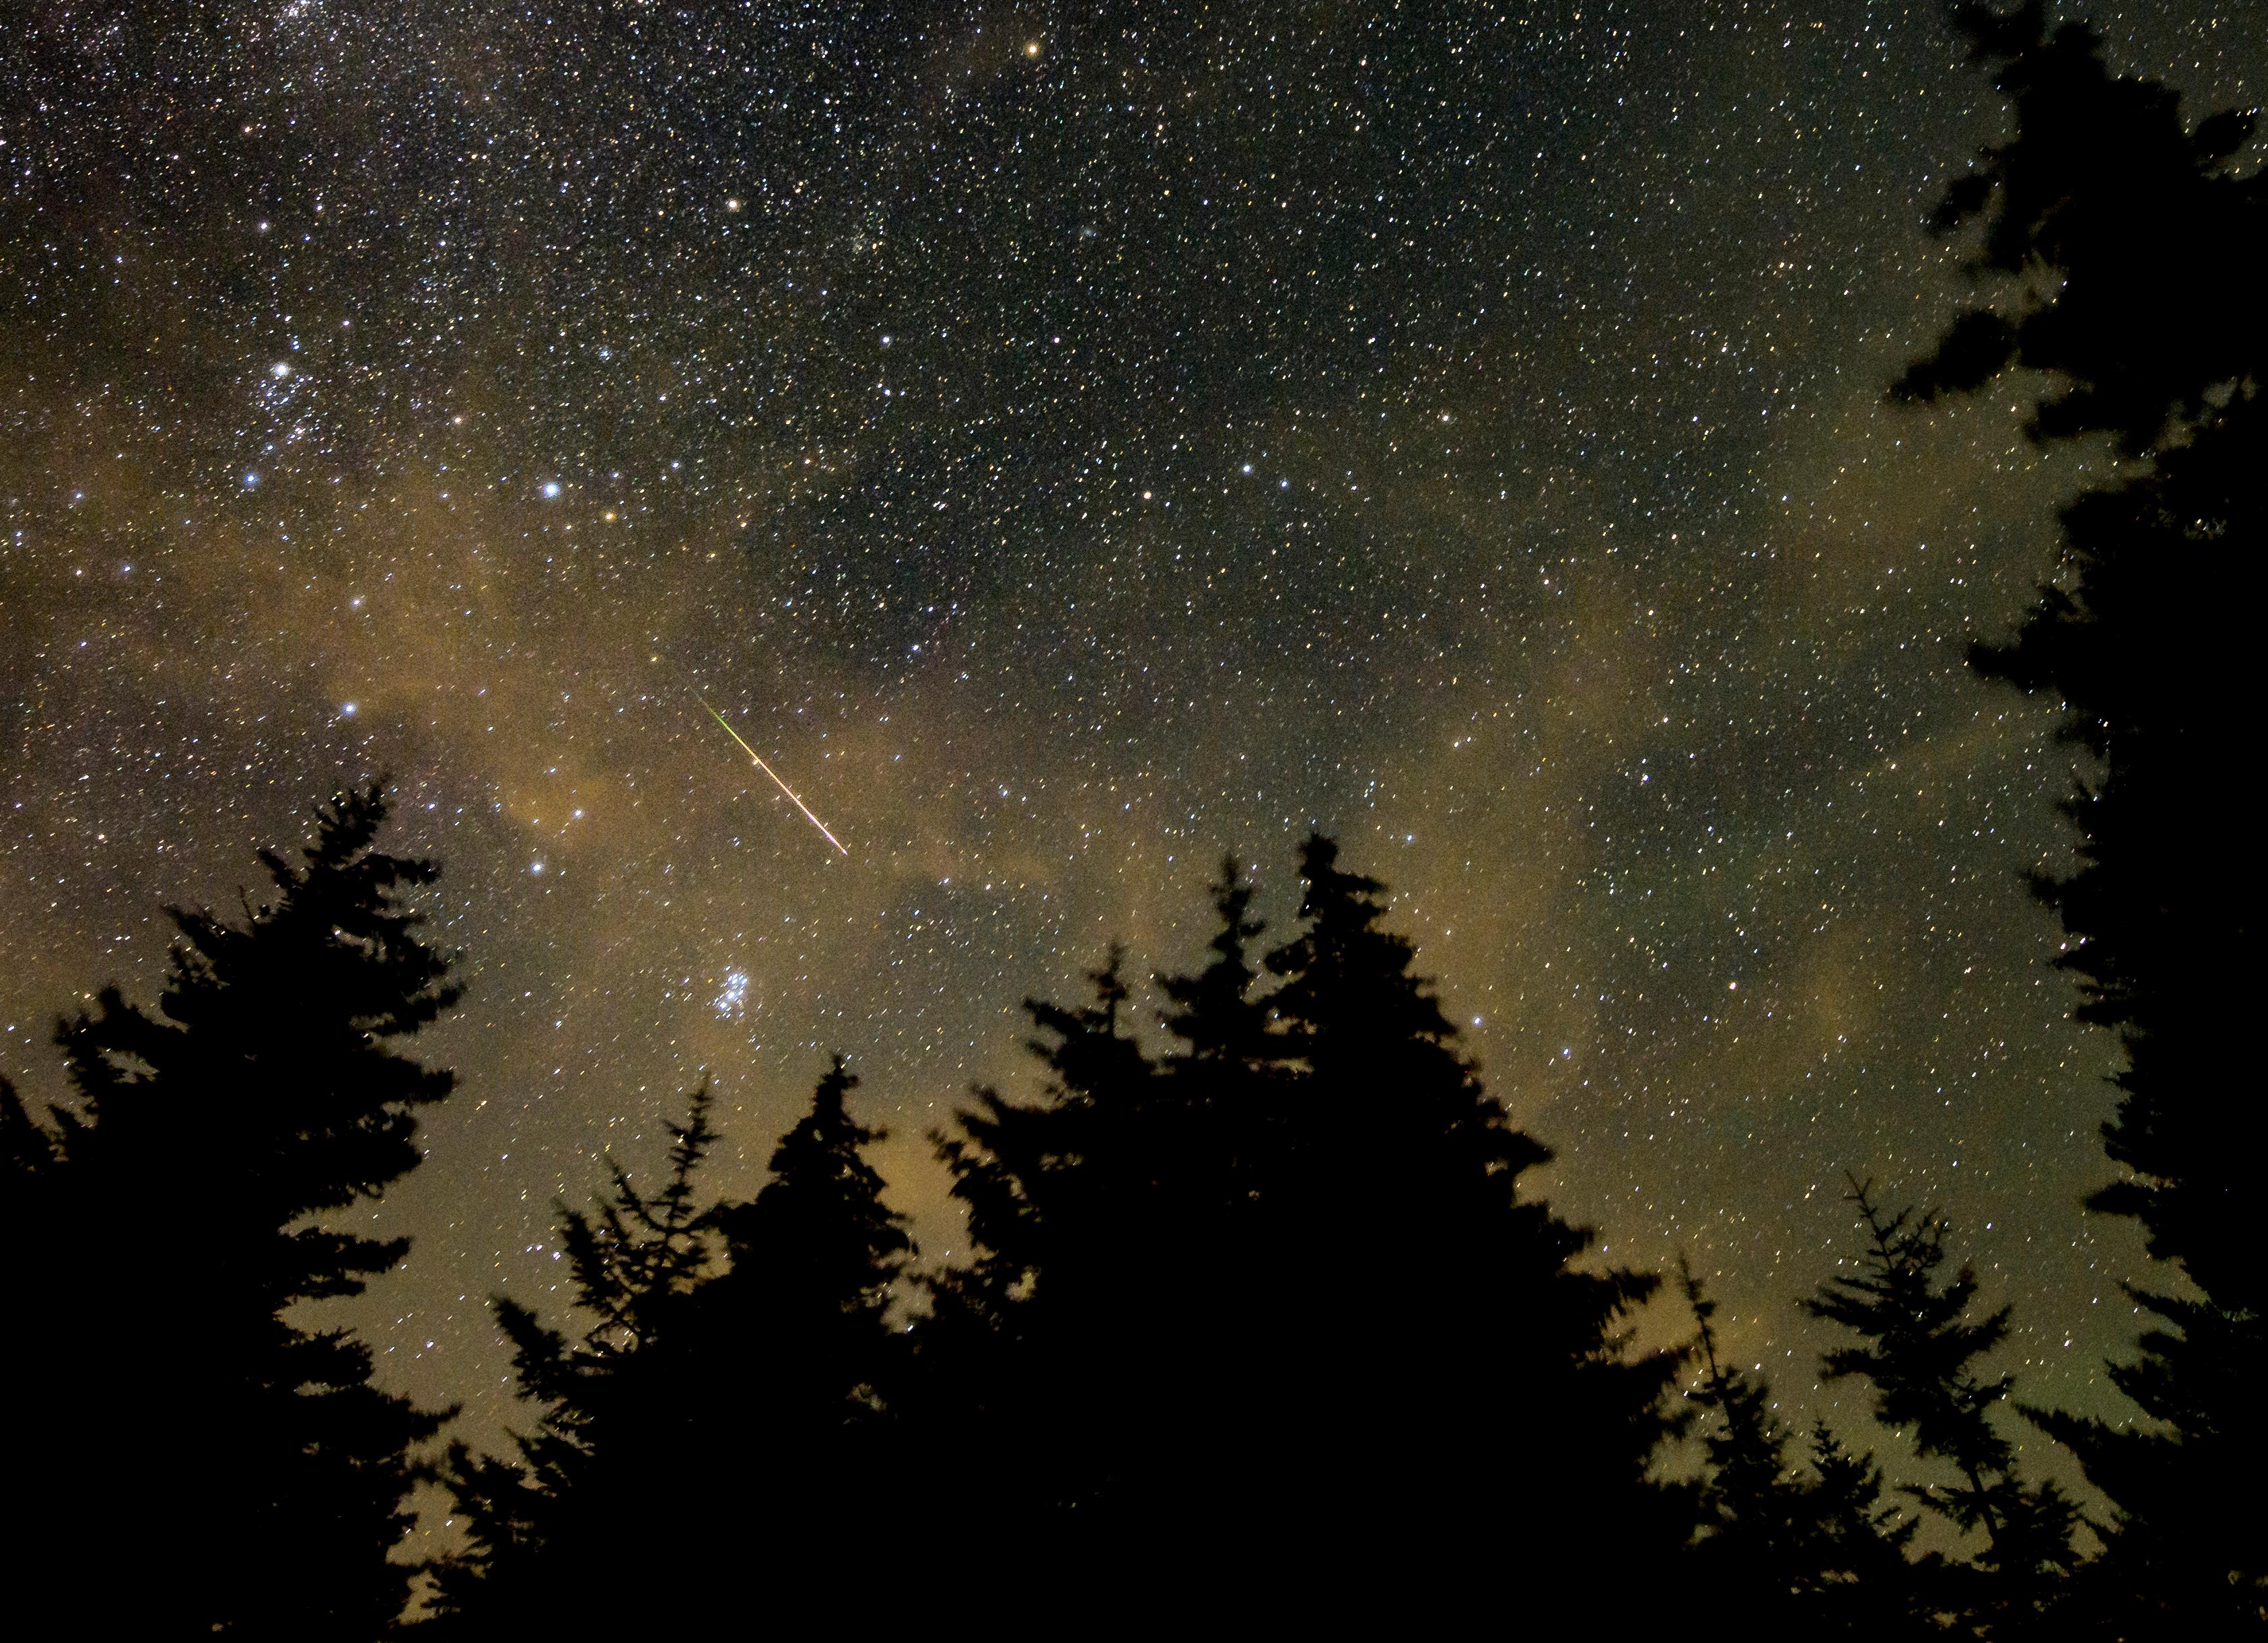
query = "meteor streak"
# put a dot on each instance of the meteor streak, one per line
(774, 774)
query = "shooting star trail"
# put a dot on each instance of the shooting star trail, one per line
(774, 774)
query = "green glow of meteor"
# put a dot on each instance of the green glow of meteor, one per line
(774, 774)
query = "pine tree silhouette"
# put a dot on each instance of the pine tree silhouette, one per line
(1026, 1365)
(223, 1469)
(1919, 1348)
(1220, 1023)
(2119, 254)
(1468, 1336)
(797, 1354)
(1225, 1249)
(2148, 227)
(1814, 1548)
(724, 1401)
(26, 1150)
(1116, 1356)
(1269, 1314)
(602, 1481)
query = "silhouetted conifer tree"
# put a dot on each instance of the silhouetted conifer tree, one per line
(2120, 254)
(605, 1481)
(1808, 1549)
(797, 1354)
(1027, 1362)
(1476, 1347)
(1117, 1350)
(1220, 1023)
(1225, 1248)
(1275, 1301)
(208, 1465)
(1919, 1348)
(708, 1415)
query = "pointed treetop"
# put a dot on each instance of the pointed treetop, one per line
(1212, 1012)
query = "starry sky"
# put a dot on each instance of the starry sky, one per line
(1067, 443)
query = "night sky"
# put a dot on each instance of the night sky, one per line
(1067, 443)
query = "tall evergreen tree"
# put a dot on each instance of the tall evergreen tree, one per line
(1221, 1024)
(1808, 1548)
(223, 1469)
(1274, 1301)
(598, 1501)
(723, 1401)
(1118, 1346)
(1029, 1370)
(1456, 1315)
(797, 1353)
(1919, 1350)
(2119, 254)
(27, 1151)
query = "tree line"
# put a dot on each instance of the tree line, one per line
(1259, 1318)
(1262, 1307)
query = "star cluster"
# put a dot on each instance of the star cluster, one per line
(1070, 443)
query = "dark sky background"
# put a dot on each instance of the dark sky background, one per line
(1069, 443)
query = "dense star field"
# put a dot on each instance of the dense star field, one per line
(1068, 443)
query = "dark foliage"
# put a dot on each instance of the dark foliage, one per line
(605, 1474)
(1809, 1547)
(2120, 252)
(1272, 1299)
(2119, 248)
(205, 1464)
(723, 1401)
(1919, 1350)
(801, 1356)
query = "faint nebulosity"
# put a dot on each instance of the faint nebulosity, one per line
(1068, 443)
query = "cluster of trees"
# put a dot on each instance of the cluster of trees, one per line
(1263, 1310)
(1257, 1309)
